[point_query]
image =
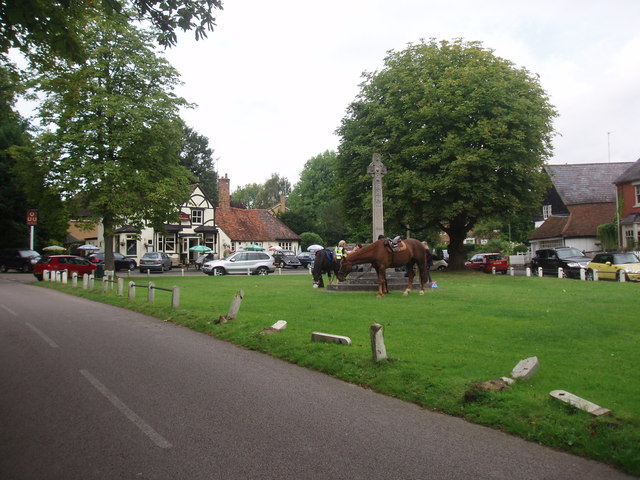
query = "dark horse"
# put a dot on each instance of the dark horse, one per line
(380, 256)
(325, 262)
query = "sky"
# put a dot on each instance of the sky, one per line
(274, 79)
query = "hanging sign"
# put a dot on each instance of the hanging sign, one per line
(32, 218)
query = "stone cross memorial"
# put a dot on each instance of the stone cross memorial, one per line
(377, 170)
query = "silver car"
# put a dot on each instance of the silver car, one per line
(255, 263)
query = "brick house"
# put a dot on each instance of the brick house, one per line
(581, 198)
(628, 188)
(239, 227)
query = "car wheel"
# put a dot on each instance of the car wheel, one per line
(589, 275)
(262, 271)
(218, 271)
(441, 267)
(39, 277)
(3, 268)
(281, 264)
(504, 272)
(26, 268)
(132, 266)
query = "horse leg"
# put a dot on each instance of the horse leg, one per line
(382, 282)
(425, 275)
(411, 275)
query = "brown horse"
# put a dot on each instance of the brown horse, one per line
(380, 256)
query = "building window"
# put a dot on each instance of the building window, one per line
(197, 216)
(546, 211)
(637, 187)
(166, 244)
(131, 246)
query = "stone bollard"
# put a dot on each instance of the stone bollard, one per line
(378, 349)
(622, 276)
(493, 270)
(92, 280)
(65, 277)
(595, 275)
(120, 286)
(46, 275)
(512, 271)
(175, 296)
(85, 281)
(583, 274)
(560, 272)
(132, 290)
(528, 271)
(233, 308)
(151, 292)
(105, 285)
(540, 271)
(74, 279)
(182, 272)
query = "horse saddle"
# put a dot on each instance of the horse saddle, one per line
(395, 245)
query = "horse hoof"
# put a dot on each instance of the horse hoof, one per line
(406, 293)
(421, 292)
(315, 286)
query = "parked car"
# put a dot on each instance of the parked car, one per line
(21, 259)
(151, 261)
(306, 259)
(256, 263)
(438, 263)
(570, 259)
(120, 261)
(485, 262)
(611, 265)
(286, 258)
(71, 263)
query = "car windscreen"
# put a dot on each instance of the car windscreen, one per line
(620, 258)
(569, 252)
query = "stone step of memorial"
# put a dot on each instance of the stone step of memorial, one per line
(368, 281)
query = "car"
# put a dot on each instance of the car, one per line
(611, 266)
(120, 261)
(286, 258)
(438, 263)
(570, 259)
(21, 259)
(59, 263)
(486, 262)
(159, 261)
(306, 259)
(256, 263)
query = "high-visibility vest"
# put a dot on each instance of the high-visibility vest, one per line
(340, 253)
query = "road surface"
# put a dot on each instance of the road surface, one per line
(90, 391)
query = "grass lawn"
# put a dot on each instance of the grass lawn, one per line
(474, 327)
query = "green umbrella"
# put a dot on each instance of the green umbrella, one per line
(200, 248)
(253, 248)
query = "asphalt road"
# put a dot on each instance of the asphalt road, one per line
(90, 391)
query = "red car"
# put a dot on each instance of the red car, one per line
(485, 262)
(71, 263)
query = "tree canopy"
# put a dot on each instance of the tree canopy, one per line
(45, 28)
(112, 131)
(266, 195)
(197, 157)
(464, 136)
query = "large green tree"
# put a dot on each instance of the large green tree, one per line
(266, 195)
(112, 131)
(44, 28)
(314, 198)
(464, 135)
(197, 157)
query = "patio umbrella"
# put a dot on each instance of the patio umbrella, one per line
(200, 248)
(275, 247)
(88, 247)
(314, 248)
(253, 248)
(54, 247)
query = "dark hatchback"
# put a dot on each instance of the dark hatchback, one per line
(21, 259)
(286, 258)
(120, 261)
(570, 259)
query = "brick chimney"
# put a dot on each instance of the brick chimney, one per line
(224, 194)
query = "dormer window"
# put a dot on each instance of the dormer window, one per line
(637, 192)
(546, 211)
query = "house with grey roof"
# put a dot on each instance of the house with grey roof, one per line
(628, 188)
(581, 198)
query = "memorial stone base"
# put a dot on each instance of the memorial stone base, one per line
(367, 281)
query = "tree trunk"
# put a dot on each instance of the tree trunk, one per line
(457, 232)
(107, 223)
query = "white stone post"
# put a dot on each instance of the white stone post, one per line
(378, 349)
(583, 274)
(151, 294)
(105, 284)
(512, 271)
(595, 276)
(132, 290)
(528, 271)
(92, 280)
(560, 271)
(540, 271)
(120, 286)
(85, 281)
(493, 270)
(74, 279)
(65, 276)
(175, 296)
(621, 276)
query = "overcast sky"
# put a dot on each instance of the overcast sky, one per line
(274, 79)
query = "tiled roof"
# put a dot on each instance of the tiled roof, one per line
(631, 174)
(253, 225)
(586, 182)
(583, 221)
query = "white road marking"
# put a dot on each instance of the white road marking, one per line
(155, 437)
(4, 307)
(41, 334)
